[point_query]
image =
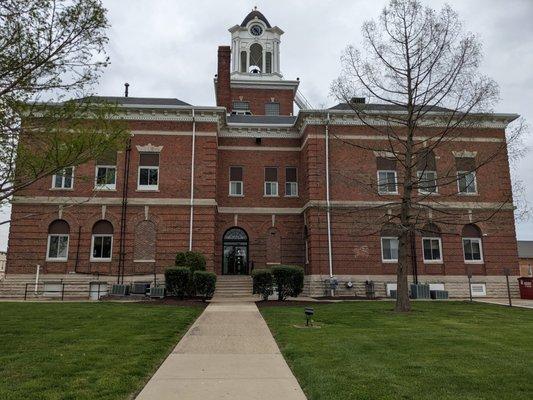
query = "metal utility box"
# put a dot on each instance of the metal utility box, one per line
(526, 288)
(439, 294)
(420, 291)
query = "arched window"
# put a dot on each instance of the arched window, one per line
(144, 243)
(58, 238)
(102, 241)
(244, 61)
(427, 173)
(472, 244)
(389, 243)
(431, 244)
(256, 56)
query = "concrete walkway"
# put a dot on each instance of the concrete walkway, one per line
(229, 353)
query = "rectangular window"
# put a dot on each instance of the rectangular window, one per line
(241, 107)
(478, 289)
(466, 182)
(387, 182)
(271, 181)
(235, 181)
(244, 62)
(272, 108)
(57, 248)
(389, 249)
(472, 250)
(427, 182)
(101, 247)
(63, 179)
(105, 178)
(291, 182)
(432, 249)
(148, 178)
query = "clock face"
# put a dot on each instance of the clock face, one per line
(256, 30)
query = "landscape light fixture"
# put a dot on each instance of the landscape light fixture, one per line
(309, 312)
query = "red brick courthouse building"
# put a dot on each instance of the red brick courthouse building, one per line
(246, 183)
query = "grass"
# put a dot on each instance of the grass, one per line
(364, 351)
(84, 350)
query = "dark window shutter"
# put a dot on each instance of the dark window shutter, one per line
(149, 160)
(235, 174)
(271, 174)
(290, 174)
(427, 161)
(466, 164)
(103, 227)
(107, 158)
(59, 227)
(386, 164)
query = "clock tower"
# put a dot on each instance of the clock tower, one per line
(249, 79)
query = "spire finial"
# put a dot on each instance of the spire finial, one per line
(255, 8)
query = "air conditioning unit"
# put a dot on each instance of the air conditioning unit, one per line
(157, 292)
(140, 288)
(439, 294)
(420, 291)
(119, 289)
(390, 287)
(478, 289)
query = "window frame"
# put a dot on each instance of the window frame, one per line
(272, 103)
(100, 259)
(241, 182)
(420, 189)
(387, 171)
(63, 180)
(464, 173)
(392, 260)
(57, 259)
(276, 183)
(295, 183)
(106, 186)
(480, 241)
(441, 259)
(147, 188)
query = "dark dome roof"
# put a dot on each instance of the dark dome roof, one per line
(255, 14)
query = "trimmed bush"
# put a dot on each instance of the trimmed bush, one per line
(204, 283)
(289, 280)
(177, 280)
(263, 282)
(192, 259)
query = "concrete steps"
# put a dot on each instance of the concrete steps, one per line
(229, 286)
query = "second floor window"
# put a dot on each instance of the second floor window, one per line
(427, 182)
(389, 249)
(63, 179)
(466, 182)
(432, 249)
(235, 181)
(271, 181)
(148, 178)
(272, 108)
(105, 177)
(291, 182)
(387, 182)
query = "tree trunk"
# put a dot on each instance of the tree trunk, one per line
(403, 303)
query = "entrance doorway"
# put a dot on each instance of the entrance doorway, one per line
(235, 254)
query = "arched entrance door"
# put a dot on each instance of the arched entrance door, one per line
(235, 254)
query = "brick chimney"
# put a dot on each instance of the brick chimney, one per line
(223, 79)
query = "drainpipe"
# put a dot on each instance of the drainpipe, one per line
(328, 204)
(191, 219)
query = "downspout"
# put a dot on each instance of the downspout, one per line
(191, 219)
(123, 214)
(328, 204)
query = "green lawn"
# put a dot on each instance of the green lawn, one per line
(442, 350)
(84, 350)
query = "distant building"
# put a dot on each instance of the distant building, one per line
(525, 255)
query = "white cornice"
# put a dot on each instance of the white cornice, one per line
(149, 148)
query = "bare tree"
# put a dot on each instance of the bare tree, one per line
(424, 68)
(51, 49)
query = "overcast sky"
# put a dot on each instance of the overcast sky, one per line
(168, 48)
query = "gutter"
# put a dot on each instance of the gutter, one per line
(328, 203)
(191, 219)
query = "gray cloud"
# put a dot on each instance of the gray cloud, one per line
(168, 48)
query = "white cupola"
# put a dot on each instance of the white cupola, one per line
(255, 48)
